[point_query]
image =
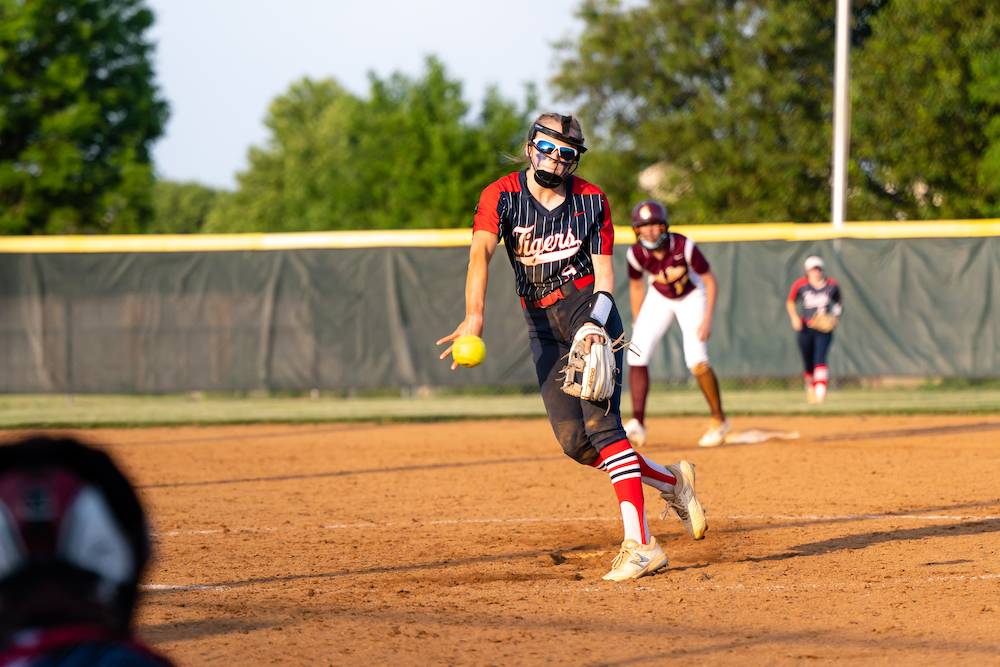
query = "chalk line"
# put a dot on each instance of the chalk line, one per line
(451, 522)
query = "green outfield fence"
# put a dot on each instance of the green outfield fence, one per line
(354, 315)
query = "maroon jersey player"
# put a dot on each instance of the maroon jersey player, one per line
(670, 279)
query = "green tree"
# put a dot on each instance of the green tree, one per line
(78, 112)
(180, 208)
(407, 156)
(926, 115)
(727, 103)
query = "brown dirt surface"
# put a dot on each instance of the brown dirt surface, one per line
(868, 540)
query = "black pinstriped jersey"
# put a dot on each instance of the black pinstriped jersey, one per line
(547, 248)
(826, 299)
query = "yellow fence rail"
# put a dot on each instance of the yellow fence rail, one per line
(459, 237)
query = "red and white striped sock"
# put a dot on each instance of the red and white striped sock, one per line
(808, 377)
(625, 470)
(820, 375)
(653, 474)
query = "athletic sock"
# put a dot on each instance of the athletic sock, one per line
(820, 377)
(638, 379)
(653, 474)
(808, 379)
(710, 388)
(625, 471)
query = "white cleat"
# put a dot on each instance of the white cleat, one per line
(636, 560)
(635, 432)
(716, 434)
(684, 502)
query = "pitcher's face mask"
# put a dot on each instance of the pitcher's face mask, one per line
(562, 160)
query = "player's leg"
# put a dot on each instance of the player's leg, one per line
(676, 486)
(690, 314)
(640, 554)
(807, 348)
(674, 482)
(655, 317)
(548, 349)
(821, 374)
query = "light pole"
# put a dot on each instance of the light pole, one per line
(841, 113)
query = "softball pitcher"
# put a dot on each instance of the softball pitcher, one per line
(681, 286)
(559, 238)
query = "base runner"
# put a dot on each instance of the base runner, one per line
(681, 286)
(559, 237)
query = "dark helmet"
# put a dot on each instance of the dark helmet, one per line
(650, 211)
(73, 537)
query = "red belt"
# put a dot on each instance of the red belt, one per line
(559, 293)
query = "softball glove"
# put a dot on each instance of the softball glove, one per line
(823, 322)
(590, 375)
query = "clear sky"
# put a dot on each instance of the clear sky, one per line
(220, 63)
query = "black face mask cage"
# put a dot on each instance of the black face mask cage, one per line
(547, 179)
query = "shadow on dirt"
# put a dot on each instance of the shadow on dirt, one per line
(548, 568)
(345, 473)
(908, 432)
(206, 627)
(865, 540)
(250, 435)
(739, 526)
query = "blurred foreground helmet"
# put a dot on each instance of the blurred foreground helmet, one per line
(73, 537)
(647, 212)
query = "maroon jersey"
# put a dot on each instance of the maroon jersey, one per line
(674, 275)
(825, 300)
(546, 248)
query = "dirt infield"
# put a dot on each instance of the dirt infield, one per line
(868, 540)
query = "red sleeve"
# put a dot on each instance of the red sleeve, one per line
(698, 262)
(488, 210)
(607, 229)
(631, 260)
(796, 286)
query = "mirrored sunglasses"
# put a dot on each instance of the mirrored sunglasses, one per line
(565, 153)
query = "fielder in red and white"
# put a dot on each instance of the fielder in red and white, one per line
(680, 285)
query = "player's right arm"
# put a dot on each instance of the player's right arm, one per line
(793, 296)
(484, 244)
(793, 316)
(636, 281)
(636, 293)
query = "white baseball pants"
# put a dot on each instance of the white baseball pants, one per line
(655, 317)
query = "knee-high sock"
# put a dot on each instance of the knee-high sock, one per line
(820, 375)
(623, 466)
(653, 474)
(710, 388)
(638, 380)
(808, 377)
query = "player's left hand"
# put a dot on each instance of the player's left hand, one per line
(705, 330)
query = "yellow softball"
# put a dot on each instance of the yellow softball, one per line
(468, 351)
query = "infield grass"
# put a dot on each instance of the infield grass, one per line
(81, 411)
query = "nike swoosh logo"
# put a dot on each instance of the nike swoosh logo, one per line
(580, 213)
(678, 256)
